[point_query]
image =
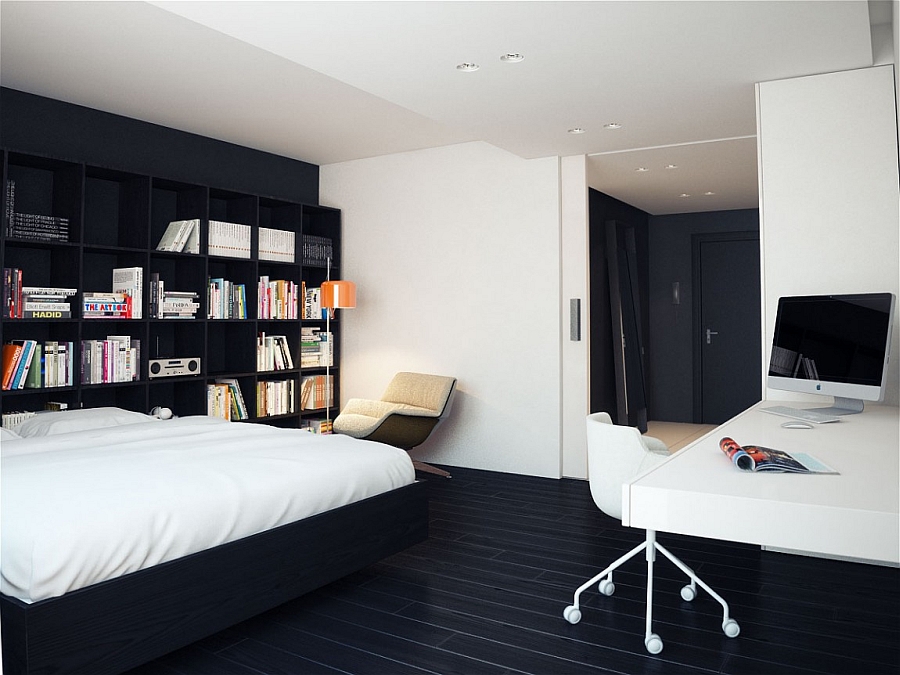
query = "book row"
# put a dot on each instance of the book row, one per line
(277, 299)
(224, 399)
(33, 302)
(317, 251)
(275, 397)
(29, 364)
(316, 392)
(226, 300)
(273, 353)
(115, 359)
(316, 348)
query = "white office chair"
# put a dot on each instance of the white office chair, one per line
(617, 454)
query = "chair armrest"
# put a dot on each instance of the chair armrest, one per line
(654, 445)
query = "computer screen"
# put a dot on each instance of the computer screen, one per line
(837, 345)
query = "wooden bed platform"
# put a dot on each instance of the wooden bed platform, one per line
(119, 624)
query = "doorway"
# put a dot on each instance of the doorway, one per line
(727, 333)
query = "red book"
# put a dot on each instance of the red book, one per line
(11, 354)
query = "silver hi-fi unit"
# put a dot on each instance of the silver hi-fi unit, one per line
(174, 367)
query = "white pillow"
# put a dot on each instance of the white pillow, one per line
(64, 421)
(8, 434)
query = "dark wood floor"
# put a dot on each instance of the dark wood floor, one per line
(486, 592)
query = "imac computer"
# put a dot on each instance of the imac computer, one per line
(834, 345)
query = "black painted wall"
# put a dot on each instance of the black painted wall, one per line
(44, 126)
(670, 359)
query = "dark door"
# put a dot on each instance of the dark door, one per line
(727, 351)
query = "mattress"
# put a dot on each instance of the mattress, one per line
(87, 506)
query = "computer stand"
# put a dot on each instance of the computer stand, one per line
(842, 406)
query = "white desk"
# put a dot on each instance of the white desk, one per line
(698, 491)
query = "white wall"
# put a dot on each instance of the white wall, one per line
(575, 354)
(829, 201)
(455, 252)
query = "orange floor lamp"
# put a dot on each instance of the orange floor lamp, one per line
(335, 295)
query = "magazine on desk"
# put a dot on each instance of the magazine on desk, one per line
(757, 458)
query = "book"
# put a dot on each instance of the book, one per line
(41, 306)
(11, 354)
(178, 234)
(47, 314)
(35, 377)
(48, 290)
(23, 363)
(238, 407)
(758, 458)
(130, 282)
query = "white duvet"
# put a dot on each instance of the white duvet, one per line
(86, 506)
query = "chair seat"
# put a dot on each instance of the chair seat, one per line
(361, 416)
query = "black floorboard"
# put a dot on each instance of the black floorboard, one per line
(486, 592)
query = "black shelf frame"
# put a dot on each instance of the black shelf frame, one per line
(115, 218)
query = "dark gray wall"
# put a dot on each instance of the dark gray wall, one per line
(670, 353)
(44, 126)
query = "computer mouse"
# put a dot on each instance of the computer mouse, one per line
(797, 424)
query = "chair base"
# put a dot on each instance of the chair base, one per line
(427, 468)
(652, 641)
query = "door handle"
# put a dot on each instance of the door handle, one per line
(709, 334)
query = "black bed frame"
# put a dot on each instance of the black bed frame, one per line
(119, 624)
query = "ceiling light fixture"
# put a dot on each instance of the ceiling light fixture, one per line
(468, 67)
(512, 57)
(642, 169)
(576, 130)
(612, 125)
(684, 195)
(709, 194)
(671, 166)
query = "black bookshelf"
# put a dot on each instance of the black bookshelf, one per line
(115, 218)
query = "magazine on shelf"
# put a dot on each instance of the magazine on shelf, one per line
(757, 458)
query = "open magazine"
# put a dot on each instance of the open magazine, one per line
(757, 458)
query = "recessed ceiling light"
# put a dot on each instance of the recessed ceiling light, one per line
(612, 125)
(684, 194)
(642, 169)
(708, 194)
(671, 166)
(468, 67)
(512, 57)
(576, 130)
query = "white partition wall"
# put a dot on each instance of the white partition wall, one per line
(456, 255)
(829, 199)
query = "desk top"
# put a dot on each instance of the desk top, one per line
(698, 490)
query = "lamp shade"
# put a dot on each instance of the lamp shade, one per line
(338, 294)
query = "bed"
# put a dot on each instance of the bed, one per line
(126, 537)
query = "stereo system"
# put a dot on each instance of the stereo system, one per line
(174, 367)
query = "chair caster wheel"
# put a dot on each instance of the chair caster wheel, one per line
(731, 628)
(688, 593)
(606, 587)
(572, 614)
(653, 644)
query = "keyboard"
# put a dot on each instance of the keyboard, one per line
(799, 414)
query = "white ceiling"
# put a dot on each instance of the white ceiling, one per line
(329, 82)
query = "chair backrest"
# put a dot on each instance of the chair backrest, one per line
(615, 455)
(433, 392)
